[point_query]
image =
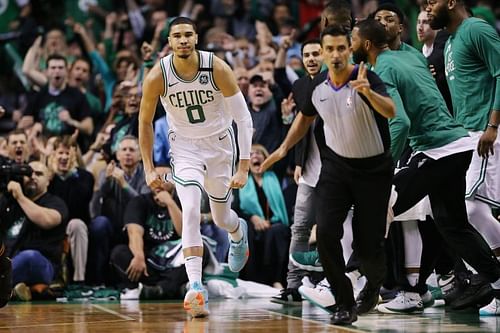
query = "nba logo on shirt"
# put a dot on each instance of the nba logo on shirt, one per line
(204, 79)
(349, 101)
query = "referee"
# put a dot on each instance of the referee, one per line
(357, 169)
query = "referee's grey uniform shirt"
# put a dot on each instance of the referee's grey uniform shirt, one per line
(352, 128)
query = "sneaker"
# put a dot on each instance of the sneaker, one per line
(289, 296)
(405, 302)
(427, 299)
(196, 301)
(308, 261)
(22, 292)
(321, 296)
(476, 293)
(5, 281)
(130, 294)
(238, 252)
(492, 309)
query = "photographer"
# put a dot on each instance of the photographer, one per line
(32, 224)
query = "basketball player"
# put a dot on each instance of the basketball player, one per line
(201, 99)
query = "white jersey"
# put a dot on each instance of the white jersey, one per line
(195, 108)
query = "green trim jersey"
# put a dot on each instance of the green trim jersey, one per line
(472, 68)
(418, 102)
(195, 108)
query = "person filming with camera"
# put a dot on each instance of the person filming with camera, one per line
(32, 227)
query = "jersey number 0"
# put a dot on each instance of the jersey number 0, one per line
(195, 114)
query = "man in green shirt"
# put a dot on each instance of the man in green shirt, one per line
(442, 151)
(472, 70)
(392, 18)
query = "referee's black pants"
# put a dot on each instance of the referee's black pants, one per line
(444, 181)
(364, 183)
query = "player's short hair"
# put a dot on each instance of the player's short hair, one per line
(336, 30)
(340, 9)
(181, 20)
(372, 30)
(392, 8)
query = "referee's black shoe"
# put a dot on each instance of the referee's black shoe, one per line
(5, 280)
(344, 315)
(367, 299)
(476, 293)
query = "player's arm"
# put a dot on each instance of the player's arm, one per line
(152, 88)
(486, 42)
(236, 104)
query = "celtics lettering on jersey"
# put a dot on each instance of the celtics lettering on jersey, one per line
(195, 108)
(450, 64)
(193, 101)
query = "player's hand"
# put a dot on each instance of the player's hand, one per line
(277, 155)
(239, 179)
(486, 142)
(361, 84)
(136, 268)
(153, 180)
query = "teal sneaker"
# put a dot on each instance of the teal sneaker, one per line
(308, 261)
(238, 252)
(196, 301)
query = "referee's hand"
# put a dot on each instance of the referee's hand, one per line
(361, 84)
(277, 155)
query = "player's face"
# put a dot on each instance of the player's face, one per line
(390, 21)
(437, 13)
(183, 40)
(336, 52)
(312, 58)
(359, 53)
(424, 31)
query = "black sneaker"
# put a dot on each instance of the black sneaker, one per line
(289, 296)
(344, 316)
(5, 281)
(367, 299)
(477, 293)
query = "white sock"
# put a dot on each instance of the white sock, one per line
(496, 284)
(193, 269)
(412, 278)
(237, 235)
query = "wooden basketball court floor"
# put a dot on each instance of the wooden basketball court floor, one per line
(254, 315)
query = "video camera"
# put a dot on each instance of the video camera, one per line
(9, 170)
